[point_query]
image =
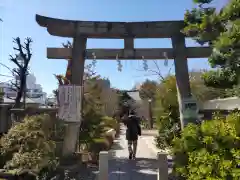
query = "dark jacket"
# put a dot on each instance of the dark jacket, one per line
(133, 127)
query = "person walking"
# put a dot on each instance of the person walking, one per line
(132, 122)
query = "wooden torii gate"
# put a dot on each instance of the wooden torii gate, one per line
(81, 30)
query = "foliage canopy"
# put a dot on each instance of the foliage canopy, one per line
(221, 30)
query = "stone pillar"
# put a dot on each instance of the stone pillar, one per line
(103, 166)
(129, 43)
(181, 73)
(129, 47)
(162, 166)
(5, 119)
(77, 71)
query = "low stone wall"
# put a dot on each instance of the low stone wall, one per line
(30, 111)
(8, 115)
(5, 118)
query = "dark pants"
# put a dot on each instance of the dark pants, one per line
(132, 147)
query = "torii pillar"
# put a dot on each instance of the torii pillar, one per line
(77, 72)
(181, 74)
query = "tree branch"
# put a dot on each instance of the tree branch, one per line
(6, 67)
(14, 60)
(14, 86)
(16, 71)
(156, 72)
(11, 98)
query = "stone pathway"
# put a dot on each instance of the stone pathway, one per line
(120, 167)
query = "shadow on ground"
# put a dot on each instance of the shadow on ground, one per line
(141, 169)
(115, 147)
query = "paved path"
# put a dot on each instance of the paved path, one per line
(120, 167)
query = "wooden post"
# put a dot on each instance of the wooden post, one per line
(162, 166)
(103, 165)
(150, 114)
(77, 71)
(181, 72)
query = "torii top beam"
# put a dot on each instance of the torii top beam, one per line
(103, 29)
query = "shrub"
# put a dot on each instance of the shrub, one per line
(109, 122)
(167, 112)
(109, 139)
(27, 145)
(167, 131)
(168, 128)
(210, 150)
(97, 145)
(91, 127)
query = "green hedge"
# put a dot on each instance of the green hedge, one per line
(27, 145)
(210, 150)
(109, 122)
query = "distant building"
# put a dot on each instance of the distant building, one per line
(34, 92)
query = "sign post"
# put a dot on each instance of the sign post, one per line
(70, 103)
(190, 110)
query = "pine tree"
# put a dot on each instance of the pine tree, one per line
(221, 30)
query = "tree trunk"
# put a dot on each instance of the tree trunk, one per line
(20, 91)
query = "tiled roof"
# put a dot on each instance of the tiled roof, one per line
(134, 95)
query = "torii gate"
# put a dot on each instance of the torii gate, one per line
(81, 30)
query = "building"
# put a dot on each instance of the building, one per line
(34, 92)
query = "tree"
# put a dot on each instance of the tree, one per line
(221, 30)
(21, 72)
(148, 90)
(202, 92)
(166, 108)
(166, 112)
(123, 105)
(66, 79)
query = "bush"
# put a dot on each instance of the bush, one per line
(27, 145)
(91, 127)
(100, 144)
(167, 112)
(210, 150)
(109, 122)
(168, 129)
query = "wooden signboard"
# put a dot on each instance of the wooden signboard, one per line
(70, 103)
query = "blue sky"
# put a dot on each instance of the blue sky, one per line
(19, 21)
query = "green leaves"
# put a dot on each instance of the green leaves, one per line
(222, 31)
(231, 11)
(148, 90)
(212, 149)
(202, 1)
(28, 146)
(222, 78)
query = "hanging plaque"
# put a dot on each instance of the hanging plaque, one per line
(70, 103)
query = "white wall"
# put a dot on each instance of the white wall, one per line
(222, 104)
